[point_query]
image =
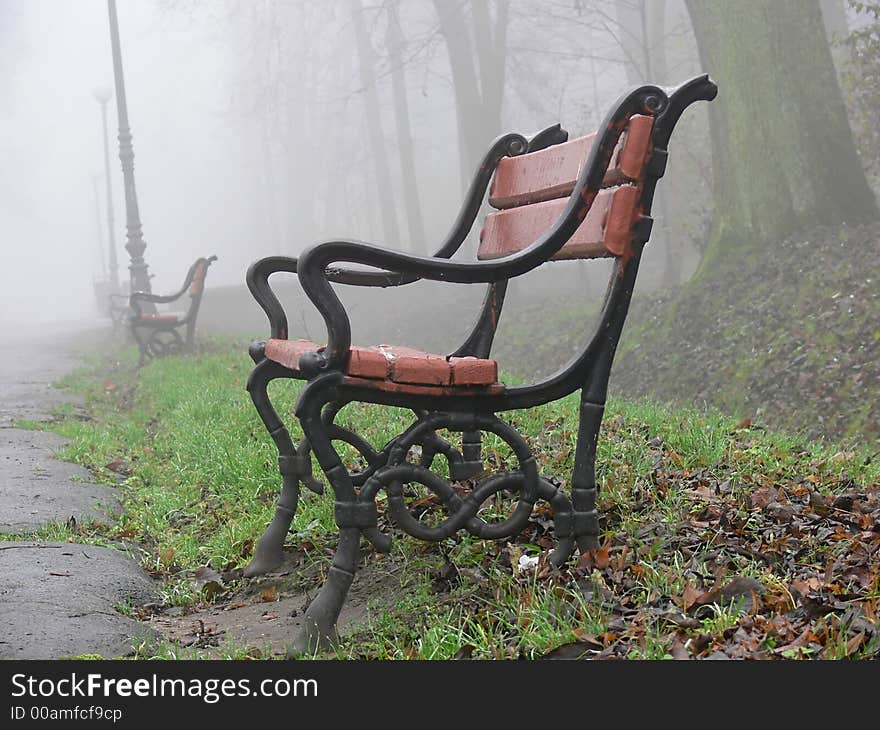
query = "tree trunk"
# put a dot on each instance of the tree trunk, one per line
(415, 226)
(641, 35)
(300, 123)
(378, 149)
(783, 153)
(633, 39)
(836, 30)
(478, 96)
(468, 102)
(491, 43)
(654, 14)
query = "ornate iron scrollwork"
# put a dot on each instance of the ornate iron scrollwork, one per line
(164, 342)
(462, 506)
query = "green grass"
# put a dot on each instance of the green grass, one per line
(92, 533)
(522, 619)
(198, 479)
(164, 650)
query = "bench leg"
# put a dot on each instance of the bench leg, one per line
(157, 342)
(269, 551)
(583, 480)
(319, 632)
(294, 463)
(142, 345)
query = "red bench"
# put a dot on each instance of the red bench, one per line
(556, 199)
(158, 333)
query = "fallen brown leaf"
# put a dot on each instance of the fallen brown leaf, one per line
(119, 466)
(690, 596)
(575, 650)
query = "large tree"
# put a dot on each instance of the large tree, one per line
(783, 152)
(378, 147)
(396, 42)
(477, 47)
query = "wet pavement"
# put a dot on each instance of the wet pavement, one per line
(56, 599)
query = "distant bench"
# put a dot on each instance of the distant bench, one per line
(158, 334)
(119, 310)
(556, 199)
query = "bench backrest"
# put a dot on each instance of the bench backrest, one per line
(532, 190)
(198, 283)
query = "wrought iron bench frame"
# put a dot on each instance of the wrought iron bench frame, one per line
(119, 310)
(329, 388)
(158, 334)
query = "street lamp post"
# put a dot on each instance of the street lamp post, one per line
(103, 96)
(140, 280)
(103, 269)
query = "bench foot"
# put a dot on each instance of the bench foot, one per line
(295, 466)
(159, 342)
(269, 552)
(319, 632)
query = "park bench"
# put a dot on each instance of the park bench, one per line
(158, 333)
(556, 199)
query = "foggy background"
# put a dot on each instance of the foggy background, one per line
(190, 160)
(263, 126)
(249, 128)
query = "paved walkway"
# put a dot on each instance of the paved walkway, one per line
(56, 599)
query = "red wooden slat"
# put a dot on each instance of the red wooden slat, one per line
(368, 362)
(151, 317)
(606, 231)
(389, 386)
(393, 363)
(288, 352)
(473, 371)
(198, 282)
(552, 172)
(632, 153)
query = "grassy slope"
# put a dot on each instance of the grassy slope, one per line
(790, 337)
(680, 513)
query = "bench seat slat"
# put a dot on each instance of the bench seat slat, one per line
(395, 364)
(552, 172)
(158, 317)
(606, 231)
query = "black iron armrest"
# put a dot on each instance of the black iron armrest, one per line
(155, 298)
(258, 274)
(136, 297)
(314, 261)
(141, 296)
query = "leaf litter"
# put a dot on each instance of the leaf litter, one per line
(745, 564)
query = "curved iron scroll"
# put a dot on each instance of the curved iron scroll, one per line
(462, 512)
